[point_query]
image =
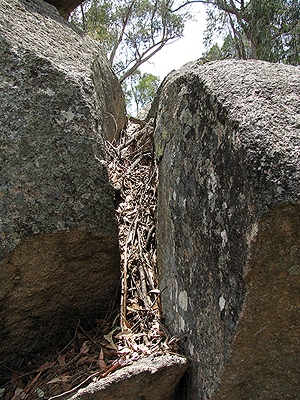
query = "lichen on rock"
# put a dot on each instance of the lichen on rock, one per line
(59, 239)
(227, 140)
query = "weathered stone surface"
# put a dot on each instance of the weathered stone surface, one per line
(36, 27)
(228, 143)
(265, 360)
(59, 243)
(150, 378)
(65, 7)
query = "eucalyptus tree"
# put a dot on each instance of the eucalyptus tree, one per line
(260, 29)
(132, 31)
(140, 89)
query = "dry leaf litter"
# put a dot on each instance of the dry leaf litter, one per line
(136, 331)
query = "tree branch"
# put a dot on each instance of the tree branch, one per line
(238, 40)
(152, 18)
(218, 3)
(83, 18)
(186, 4)
(141, 60)
(125, 21)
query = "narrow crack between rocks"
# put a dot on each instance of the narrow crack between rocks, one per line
(132, 330)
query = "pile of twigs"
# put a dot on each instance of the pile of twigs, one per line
(137, 331)
(133, 173)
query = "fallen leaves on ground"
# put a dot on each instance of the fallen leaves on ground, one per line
(137, 331)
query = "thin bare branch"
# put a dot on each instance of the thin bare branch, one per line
(141, 60)
(237, 40)
(223, 5)
(125, 22)
(83, 18)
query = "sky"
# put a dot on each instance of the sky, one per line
(188, 48)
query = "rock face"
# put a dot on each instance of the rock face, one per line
(59, 243)
(65, 7)
(151, 378)
(228, 144)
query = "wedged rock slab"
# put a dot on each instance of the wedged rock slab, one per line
(65, 7)
(59, 240)
(150, 378)
(227, 139)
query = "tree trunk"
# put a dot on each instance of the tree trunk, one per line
(253, 50)
(83, 18)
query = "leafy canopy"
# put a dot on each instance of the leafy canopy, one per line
(131, 31)
(141, 89)
(260, 29)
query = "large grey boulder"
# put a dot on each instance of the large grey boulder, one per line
(59, 241)
(228, 144)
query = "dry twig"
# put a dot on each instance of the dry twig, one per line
(88, 355)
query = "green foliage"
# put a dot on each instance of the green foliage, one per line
(213, 54)
(263, 29)
(98, 16)
(140, 89)
(228, 50)
(131, 31)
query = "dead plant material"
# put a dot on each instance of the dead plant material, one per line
(137, 331)
(134, 174)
